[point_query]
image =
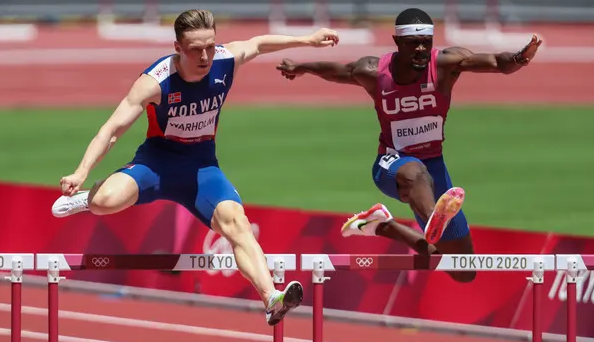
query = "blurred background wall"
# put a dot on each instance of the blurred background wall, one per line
(509, 10)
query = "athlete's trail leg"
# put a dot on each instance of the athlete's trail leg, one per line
(410, 237)
(378, 221)
(114, 194)
(230, 221)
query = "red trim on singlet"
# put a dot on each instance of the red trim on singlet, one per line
(153, 125)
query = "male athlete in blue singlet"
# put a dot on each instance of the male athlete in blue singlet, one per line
(183, 94)
(411, 90)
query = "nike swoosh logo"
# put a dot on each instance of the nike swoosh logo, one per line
(419, 29)
(388, 92)
(363, 224)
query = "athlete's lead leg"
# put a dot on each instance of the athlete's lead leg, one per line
(230, 221)
(415, 187)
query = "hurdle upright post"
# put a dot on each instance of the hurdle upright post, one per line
(537, 280)
(53, 279)
(278, 276)
(318, 280)
(16, 288)
(571, 277)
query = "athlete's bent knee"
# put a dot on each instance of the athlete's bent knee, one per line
(230, 221)
(463, 277)
(410, 175)
(461, 245)
(112, 195)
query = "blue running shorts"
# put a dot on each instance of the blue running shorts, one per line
(384, 172)
(197, 184)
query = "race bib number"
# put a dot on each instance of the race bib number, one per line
(192, 126)
(416, 131)
(387, 160)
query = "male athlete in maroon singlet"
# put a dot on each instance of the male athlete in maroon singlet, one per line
(411, 89)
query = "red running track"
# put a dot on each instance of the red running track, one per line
(32, 77)
(105, 85)
(91, 318)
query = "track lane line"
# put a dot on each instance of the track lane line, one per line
(145, 324)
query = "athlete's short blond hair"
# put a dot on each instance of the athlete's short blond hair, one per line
(193, 19)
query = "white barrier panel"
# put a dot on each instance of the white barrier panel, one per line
(172, 262)
(7, 259)
(447, 262)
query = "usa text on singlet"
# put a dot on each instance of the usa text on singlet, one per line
(411, 116)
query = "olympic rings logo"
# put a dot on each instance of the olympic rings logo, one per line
(100, 262)
(364, 262)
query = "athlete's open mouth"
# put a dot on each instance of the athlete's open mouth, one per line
(420, 60)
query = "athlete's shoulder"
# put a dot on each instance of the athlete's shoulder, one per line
(452, 52)
(369, 61)
(222, 53)
(161, 69)
(367, 65)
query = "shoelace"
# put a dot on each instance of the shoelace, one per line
(76, 202)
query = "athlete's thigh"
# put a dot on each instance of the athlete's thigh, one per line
(384, 170)
(146, 178)
(116, 193)
(213, 188)
(145, 169)
(458, 226)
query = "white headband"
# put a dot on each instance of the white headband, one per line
(414, 30)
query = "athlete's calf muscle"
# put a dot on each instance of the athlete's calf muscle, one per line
(230, 221)
(114, 194)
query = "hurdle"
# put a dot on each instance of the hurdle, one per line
(150, 29)
(538, 264)
(492, 35)
(279, 23)
(16, 264)
(55, 263)
(317, 264)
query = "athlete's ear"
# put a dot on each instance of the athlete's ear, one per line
(177, 46)
(395, 38)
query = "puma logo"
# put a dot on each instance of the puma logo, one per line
(221, 81)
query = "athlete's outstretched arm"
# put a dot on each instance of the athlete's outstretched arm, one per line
(361, 72)
(460, 59)
(246, 50)
(145, 90)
